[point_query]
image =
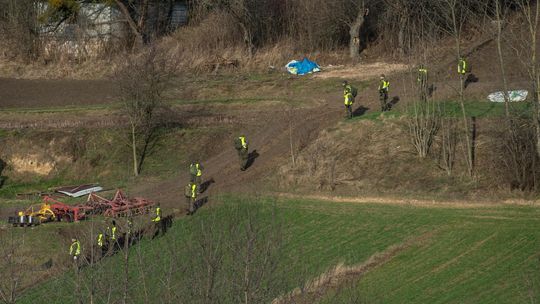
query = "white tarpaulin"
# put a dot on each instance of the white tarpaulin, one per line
(518, 95)
(76, 191)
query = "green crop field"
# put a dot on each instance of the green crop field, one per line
(474, 256)
(455, 255)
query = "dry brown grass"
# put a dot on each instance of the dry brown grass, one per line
(88, 69)
(217, 40)
(196, 55)
(213, 45)
(375, 158)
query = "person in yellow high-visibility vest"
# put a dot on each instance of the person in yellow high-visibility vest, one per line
(157, 215)
(111, 237)
(190, 192)
(111, 232)
(157, 219)
(75, 249)
(241, 146)
(100, 240)
(348, 96)
(384, 86)
(462, 66)
(422, 80)
(102, 243)
(195, 171)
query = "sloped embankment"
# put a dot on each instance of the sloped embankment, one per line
(376, 157)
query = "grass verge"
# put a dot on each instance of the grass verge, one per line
(451, 108)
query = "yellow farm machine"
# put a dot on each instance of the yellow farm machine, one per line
(54, 210)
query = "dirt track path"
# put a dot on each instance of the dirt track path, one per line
(269, 137)
(424, 203)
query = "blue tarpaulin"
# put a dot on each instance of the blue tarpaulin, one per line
(302, 67)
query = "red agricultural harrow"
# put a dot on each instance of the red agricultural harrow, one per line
(119, 206)
(64, 212)
(53, 210)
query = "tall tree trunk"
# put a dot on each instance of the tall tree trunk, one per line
(498, 14)
(468, 143)
(126, 270)
(401, 39)
(535, 75)
(248, 38)
(142, 21)
(402, 28)
(134, 150)
(136, 31)
(536, 115)
(354, 33)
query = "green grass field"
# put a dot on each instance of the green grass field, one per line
(452, 108)
(475, 256)
(467, 255)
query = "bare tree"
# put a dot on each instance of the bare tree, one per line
(289, 113)
(499, 21)
(318, 24)
(449, 140)
(424, 122)
(126, 267)
(424, 117)
(454, 18)
(354, 31)
(518, 155)
(526, 49)
(142, 81)
(403, 20)
(136, 20)
(206, 273)
(257, 247)
(19, 28)
(10, 267)
(243, 11)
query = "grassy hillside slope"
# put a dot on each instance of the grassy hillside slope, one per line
(454, 255)
(482, 256)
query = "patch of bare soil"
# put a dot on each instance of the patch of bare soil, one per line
(342, 274)
(269, 130)
(269, 143)
(27, 93)
(198, 116)
(361, 71)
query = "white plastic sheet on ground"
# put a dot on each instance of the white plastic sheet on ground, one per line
(291, 68)
(517, 95)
